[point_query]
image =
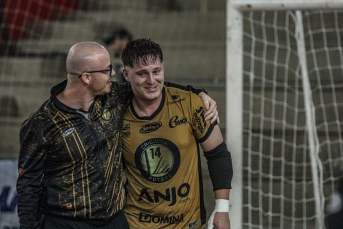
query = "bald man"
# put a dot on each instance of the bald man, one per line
(70, 164)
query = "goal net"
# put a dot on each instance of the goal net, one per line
(286, 58)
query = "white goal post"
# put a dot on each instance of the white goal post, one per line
(283, 99)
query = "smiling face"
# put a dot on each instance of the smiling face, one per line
(147, 80)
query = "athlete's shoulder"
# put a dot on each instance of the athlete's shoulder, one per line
(121, 90)
(179, 91)
(39, 117)
(180, 95)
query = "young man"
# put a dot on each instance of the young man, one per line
(161, 132)
(70, 164)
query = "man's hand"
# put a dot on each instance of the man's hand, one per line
(219, 220)
(220, 216)
(211, 107)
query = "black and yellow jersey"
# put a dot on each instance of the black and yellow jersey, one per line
(162, 162)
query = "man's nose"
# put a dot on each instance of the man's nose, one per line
(151, 78)
(113, 72)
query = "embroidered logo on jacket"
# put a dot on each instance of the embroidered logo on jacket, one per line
(21, 171)
(68, 205)
(151, 127)
(68, 132)
(106, 114)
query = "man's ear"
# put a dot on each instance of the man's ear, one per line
(86, 77)
(126, 74)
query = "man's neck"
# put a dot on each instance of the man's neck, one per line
(76, 98)
(145, 108)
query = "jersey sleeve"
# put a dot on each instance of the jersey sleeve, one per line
(201, 128)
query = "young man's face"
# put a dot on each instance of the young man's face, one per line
(146, 81)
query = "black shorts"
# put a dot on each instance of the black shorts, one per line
(52, 222)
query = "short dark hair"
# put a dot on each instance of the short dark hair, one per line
(118, 34)
(143, 49)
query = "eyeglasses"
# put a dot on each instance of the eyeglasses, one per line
(105, 70)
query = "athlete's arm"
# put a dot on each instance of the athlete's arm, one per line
(220, 169)
(210, 104)
(31, 167)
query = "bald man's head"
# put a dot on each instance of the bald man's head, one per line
(82, 55)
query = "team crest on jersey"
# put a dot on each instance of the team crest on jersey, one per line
(200, 118)
(106, 114)
(158, 159)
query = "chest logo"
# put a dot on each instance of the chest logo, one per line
(151, 127)
(106, 114)
(158, 159)
(68, 132)
(175, 121)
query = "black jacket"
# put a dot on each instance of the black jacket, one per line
(71, 166)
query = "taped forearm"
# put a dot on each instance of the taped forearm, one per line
(220, 167)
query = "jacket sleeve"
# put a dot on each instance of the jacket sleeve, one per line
(31, 169)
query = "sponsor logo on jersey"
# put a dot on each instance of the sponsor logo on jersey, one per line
(175, 121)
(176, 100)
(158, 159)
(193, 224)
(126, 130)
(174, 97)
(68, 132)
(106, 114)
(170, 194)
(151, 127)
(147, 218)
(199, 117)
